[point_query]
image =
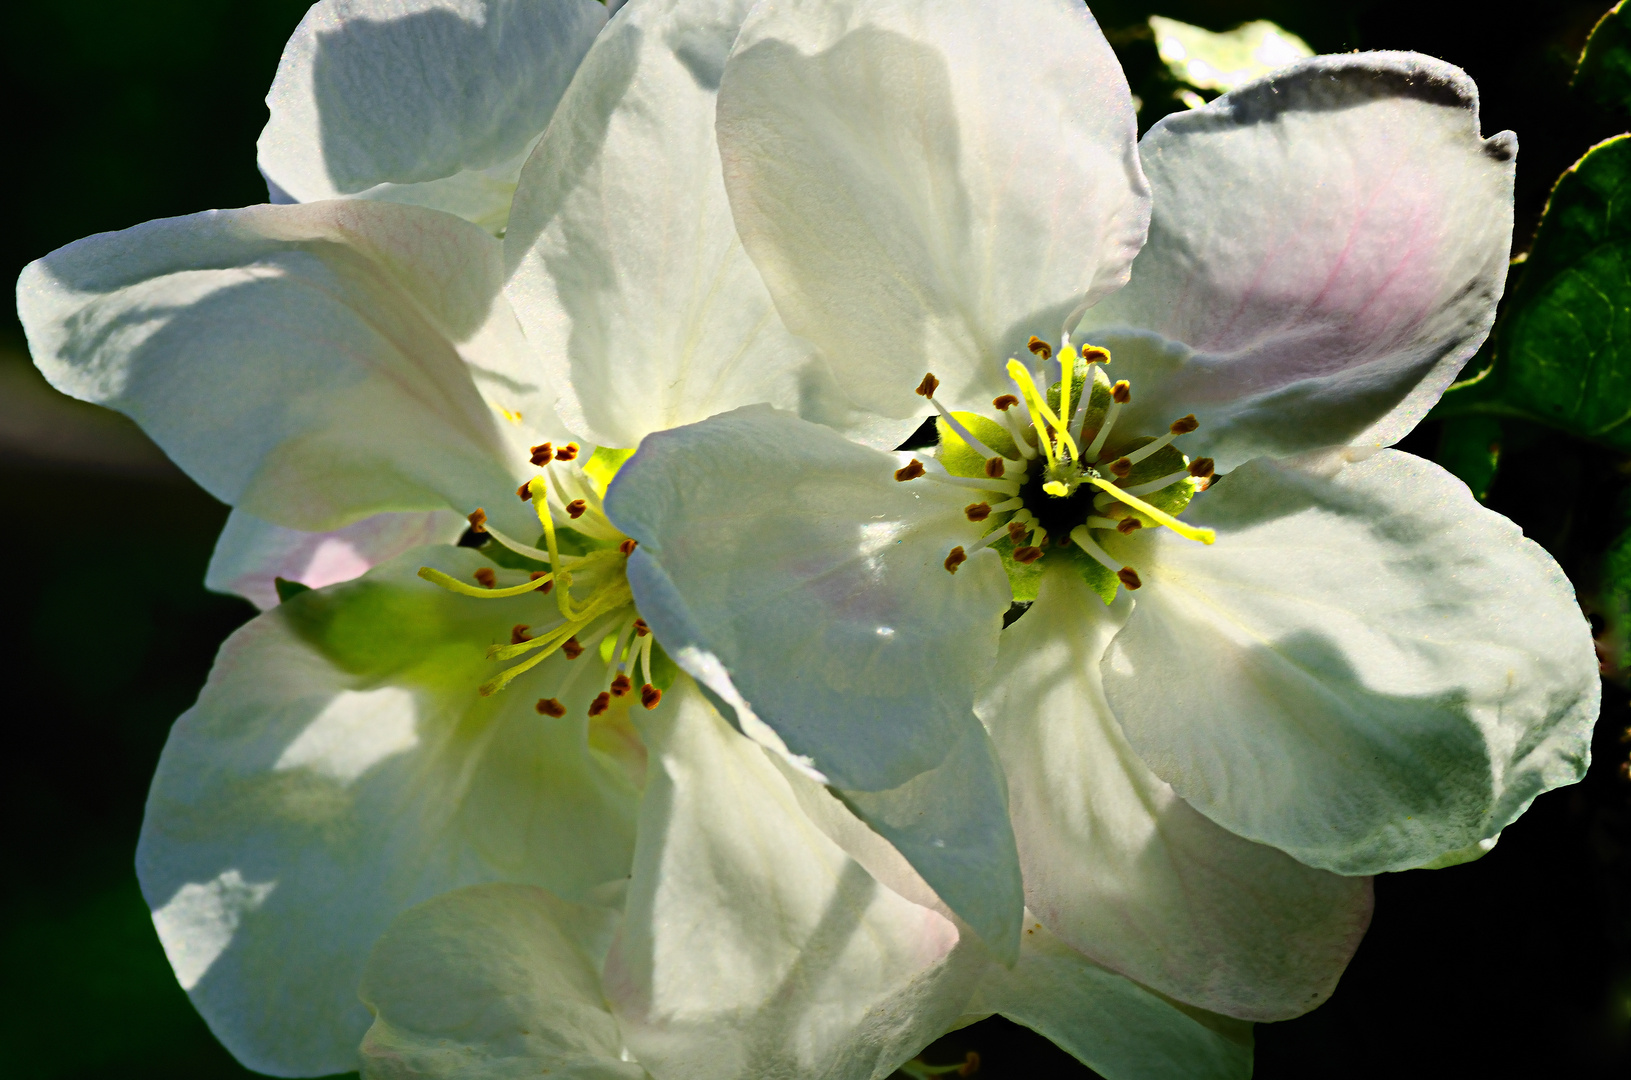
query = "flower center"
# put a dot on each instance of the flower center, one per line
(1054, 466)
(582, 562)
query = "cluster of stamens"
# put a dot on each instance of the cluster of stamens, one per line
(1041, 485)
(575, 626)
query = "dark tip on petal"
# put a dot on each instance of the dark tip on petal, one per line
(571, 649)
(575, 509)
(1201, 467)
(627, 547)
(567, 452)
(1122, 392)
(977, 511)
(478, 520)
(1040, 347)
(641, 629)
(485, 577)
(548, 706)
(650, 696)
(1004, 403)
(1129, 524)
(994, 468)
(518, 633)
(928, 386)
(602, 702)
(955, 558)
(910, 472)
(1129, 577)
(542, 454)
(1121, 466)
(621, 685)
(1027, 554)
(1184, 425)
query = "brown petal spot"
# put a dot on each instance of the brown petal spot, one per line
(977, 511)
(650, 696)
(602, 702)
(928, 386)
(1004, 403)
(485, 577)
(571, 649)
(910, 472)
(1040, 347)
(478, 520)
(542, 454)
(1122, 392)
(548, 706)
(1027, 555)
(1129, 577)
(955, 558)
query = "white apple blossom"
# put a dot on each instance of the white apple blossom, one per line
(439, 742)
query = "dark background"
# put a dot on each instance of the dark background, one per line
(117, 111)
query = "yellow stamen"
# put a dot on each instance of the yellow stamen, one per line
(1042, 416)
(1189, 532)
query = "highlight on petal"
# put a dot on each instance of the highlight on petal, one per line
(313, 365)
(431, 102)
(1367, 670)
(493, 981)
(1122, 869)
(794, 560)
(626, 270)
(252, 554)
(1327, 248)
(340, 767)
(751, 945)
(925, 185)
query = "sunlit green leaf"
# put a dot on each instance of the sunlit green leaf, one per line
(1212, 61)
(1605, 63)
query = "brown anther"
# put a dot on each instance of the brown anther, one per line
(1121, 466)
(1017, 531)
(910, 472)
(621, 685)
(1201, 467)
(567, 452)
(928, 386)
(1129, 577)
(518, 633)
(1122, 392)
(1040, 347)
(485, 577)
(548, 706)
(977, 511)
(641, 629)
(954, 558)
(650, 695)
(1027, 555)
(1129, 524)
(543, 590)
(478, 520)
(542, 454)
(1095, 354)
(627, 547)
(1004, 403)
(571, 649)
(1184, 425)
(575, 509)
(524, 492)
(1061, 540)
(970, 1065)
(602, 702)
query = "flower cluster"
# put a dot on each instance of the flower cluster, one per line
(624, 704)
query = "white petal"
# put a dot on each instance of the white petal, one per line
(340, 767)
(313, 365)
(1122, 869)
(493, 982)
(251, 554)
(431, 102)
(924, 185)
(1119, 1029)
(793, 561)
(1368, 670)
(752, 946)
(627, 272)
(1326, 251)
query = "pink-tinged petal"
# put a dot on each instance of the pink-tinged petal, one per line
(251, 554)
(1327, 248)
(924, 185)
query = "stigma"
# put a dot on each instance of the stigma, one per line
(1058, 474)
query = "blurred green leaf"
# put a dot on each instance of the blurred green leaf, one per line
(1470, 448)
(1605, 63)
(1562, 349)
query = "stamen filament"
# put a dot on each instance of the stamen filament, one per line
(1018, 432)
(1096, 522)
(1189, 532)
(966, 435)
(937, 472)
(1179, 427)
(1110, 414)
(524, 549)
(454, 585)
(1010, 504)
(1156, 485)
(1080, 537)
